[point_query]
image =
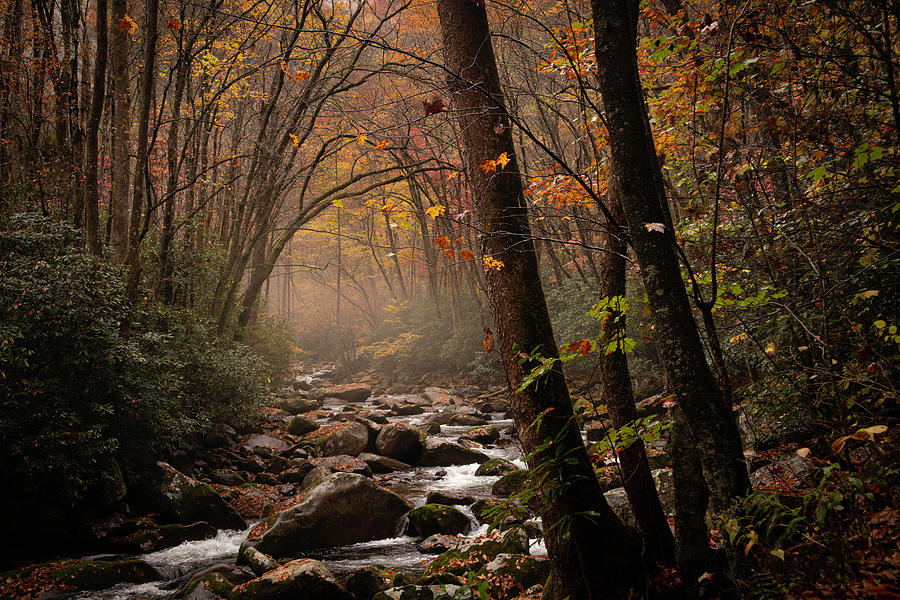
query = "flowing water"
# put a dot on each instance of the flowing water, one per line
(397, 553)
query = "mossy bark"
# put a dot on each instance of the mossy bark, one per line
(593, 554)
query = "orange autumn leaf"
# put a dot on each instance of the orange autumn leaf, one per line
(466, 254)
(127, 24)
(173, 24)
(381, 145)
(301, 76)
(488, 343)
(442, 242)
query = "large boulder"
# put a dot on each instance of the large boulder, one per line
(265, 444)
(496, 467)
(298, 405)
(382, 464)
(344, 463)
(302, 578)
(181, 499)
(351, 392)
(349, 438)
(447, 454)
(511, 483)
(345, 508)
(474, 555)
(437, 395)
(438, 518)
(102, 574)
(485, 434)
(301, 425)
(510, 575)
(365, 582)
(401, 441)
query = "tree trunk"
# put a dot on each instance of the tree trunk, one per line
(636, 167)
(619, 397)
(92, 128)
(121, 162)
(592, 554)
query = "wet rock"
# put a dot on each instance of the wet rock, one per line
(449, 499)
(438, 543)
(258, 562)
(481, 507)
(349, 438)
(405, 410)
(382, 464)
(428, 592)
(401, 441)
(431, 428)
(181, 499)
(511, 483)
(302, 578)
(365, 582)
(438, 518)
(446, 454)
(485, 434)
(296, 473)
(618, 499)
(265, 478)
(226, 477)
(316, 476)
(440, 418)
(351, 392)
(152, 538)
(112, 483)
(468, 420)
(492, 406)
(509, 575)
(271, 445)
(474, 555)
(496, 466)
(345, 508)
(102, 574)
(301, 425)
(791, 471)
(342, 463)
(212, 586)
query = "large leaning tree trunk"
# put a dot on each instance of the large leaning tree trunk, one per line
(708, 421)
(593, 555)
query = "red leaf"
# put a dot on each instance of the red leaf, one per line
(434, 106)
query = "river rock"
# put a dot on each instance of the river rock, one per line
(436, 395)
(511, 483)
(349, 438)
(181, 499)
(382, 464)
(405, 410)
(266, 443)
(449, 499)
(226, 477)
(298, 404)
(258, 562)
(316, 476)
(472, 556)
(430, 428)
(342, 463)
(151, 537)
(401, 441)
(468, 420)
(302, 578)
(665, 486)
(447, 591)
(351, 392)
(102, 574)
(485, 434)
(440, 418)
(212, 586)
(446, 454)
(496, 467)
(301, 425)
(509, 575)
(345, 508)
(365, 582)
(438, 543)
(438, 518)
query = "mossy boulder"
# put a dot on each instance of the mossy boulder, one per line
(485, 434)
(102, 574)
(208, 587)
(496, 466)
(511, 483)
(303, 578)
(509, 575)
(258, 562)
(481, 508)
(365, 582)
(438, 518)
(400, 441)
(474, 555)
(298, 404)
(349, 438)
(180, 499)
(446, 454)
(301, 425)
(428, 592)
(345, 508)
(351, 392)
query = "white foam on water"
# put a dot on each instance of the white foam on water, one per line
(188, 555)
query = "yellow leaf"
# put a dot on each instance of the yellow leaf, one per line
(777, 553)
(127, 24)
(294, 140)
(488, 166)
(875, 429)
(361, 139)
(492, 264)
(803, 452)
(338, 203)
(434, 211)
(770, 348)
(502, 160)
(453, 175)
(738, 338)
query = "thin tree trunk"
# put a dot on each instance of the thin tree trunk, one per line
(592, 556)
(91, 146)
(121, 161)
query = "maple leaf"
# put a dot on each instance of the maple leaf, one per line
(442, 242)
(433, 106)
(127, 24)
(173, 24)
(488, 166)
(434, 211)
(361, 138)
(466, 254)
(301, 76)
(488, 343)
(448, 253)
(294, 140)
(491, 264)
(659, 227)
(381, 145)
(502, 160)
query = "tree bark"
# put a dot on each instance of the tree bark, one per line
(592, 554)
(636, 167)
(121, 161)
(92, 129)
(619, 397)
